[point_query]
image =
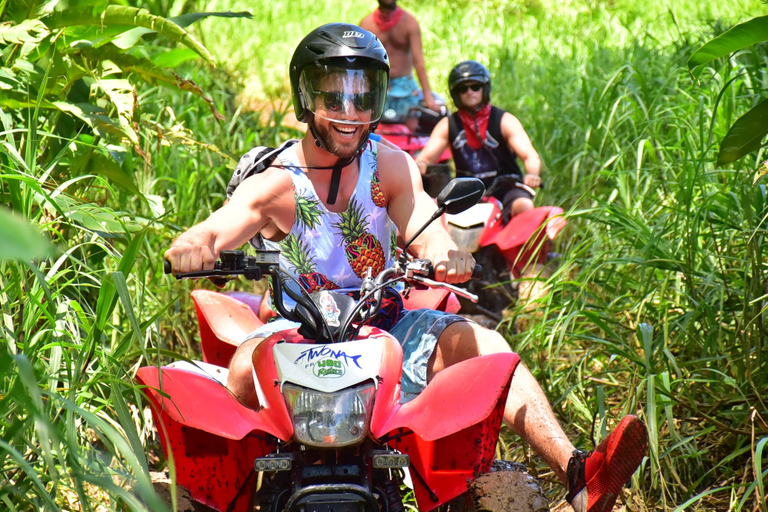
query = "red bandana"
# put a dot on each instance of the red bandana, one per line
(387, 21)
(475, 126)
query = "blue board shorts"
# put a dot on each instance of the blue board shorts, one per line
(417, 331)
(403, 94)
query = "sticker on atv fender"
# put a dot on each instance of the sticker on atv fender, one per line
(330, 367)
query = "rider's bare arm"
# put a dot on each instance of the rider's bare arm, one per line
(438, 141)
(384, 142)
(410, 207)
(517, 139)
(417, 53)
(258, 205)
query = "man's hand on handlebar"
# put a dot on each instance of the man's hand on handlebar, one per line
(431, 103)
(190, 258)
(453, 266)
(532, 180)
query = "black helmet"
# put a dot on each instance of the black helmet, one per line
(469, 71)
(339, 46)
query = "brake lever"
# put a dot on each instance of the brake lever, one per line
(438, 284)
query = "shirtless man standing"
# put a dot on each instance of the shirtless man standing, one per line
(400, 34)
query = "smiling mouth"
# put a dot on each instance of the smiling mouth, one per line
(345, 130)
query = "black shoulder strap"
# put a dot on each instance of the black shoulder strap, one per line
(494, 123)
(255, 161)
(496, 115)
(453, 129)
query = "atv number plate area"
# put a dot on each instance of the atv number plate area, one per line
(329, 367)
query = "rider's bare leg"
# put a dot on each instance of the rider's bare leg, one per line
(412, 123)
(527, 412)
(521, 204)
(240, 377)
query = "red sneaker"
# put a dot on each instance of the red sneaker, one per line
(595, 478)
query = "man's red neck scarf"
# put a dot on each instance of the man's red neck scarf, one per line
(386, 21)
(476, 126)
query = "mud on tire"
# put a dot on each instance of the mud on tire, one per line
(506, 488)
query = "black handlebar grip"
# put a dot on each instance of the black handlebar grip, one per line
(167, 267)
(477, 273)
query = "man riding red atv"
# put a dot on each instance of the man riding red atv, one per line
(333, 204)
(507, 234)
(485, 141)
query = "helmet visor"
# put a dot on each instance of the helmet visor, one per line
(345, 96)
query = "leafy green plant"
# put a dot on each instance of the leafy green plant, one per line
(21, 241)
(72, 324)
(747, 133)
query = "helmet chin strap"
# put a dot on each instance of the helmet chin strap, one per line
(333, 191)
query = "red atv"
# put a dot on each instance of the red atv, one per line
(331, 433)
(506, 252)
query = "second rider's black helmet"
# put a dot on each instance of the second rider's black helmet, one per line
(338, 45)
(469, 71)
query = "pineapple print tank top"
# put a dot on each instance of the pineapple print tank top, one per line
(332, 251)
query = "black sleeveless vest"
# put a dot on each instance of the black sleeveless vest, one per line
(494, 158)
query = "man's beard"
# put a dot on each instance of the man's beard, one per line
(345, 151)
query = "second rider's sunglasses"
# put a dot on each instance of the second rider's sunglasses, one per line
(465, 87)
(334, 100)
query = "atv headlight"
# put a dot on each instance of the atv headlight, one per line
(329, 419)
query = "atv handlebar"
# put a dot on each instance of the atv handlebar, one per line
(265, 263)
(457, 196)
(306, 311)
(233, 263)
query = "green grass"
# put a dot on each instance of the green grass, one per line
(656, 308)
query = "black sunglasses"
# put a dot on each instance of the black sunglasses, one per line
(465, 87)
(334, 100)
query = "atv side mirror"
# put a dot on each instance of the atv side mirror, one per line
(460, 194)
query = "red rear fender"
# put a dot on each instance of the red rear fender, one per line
(224, 323)
(523, 226)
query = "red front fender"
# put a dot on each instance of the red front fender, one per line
(458, 397)
(211, 438)
(451, 429)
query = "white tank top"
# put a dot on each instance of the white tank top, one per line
(332, 251)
